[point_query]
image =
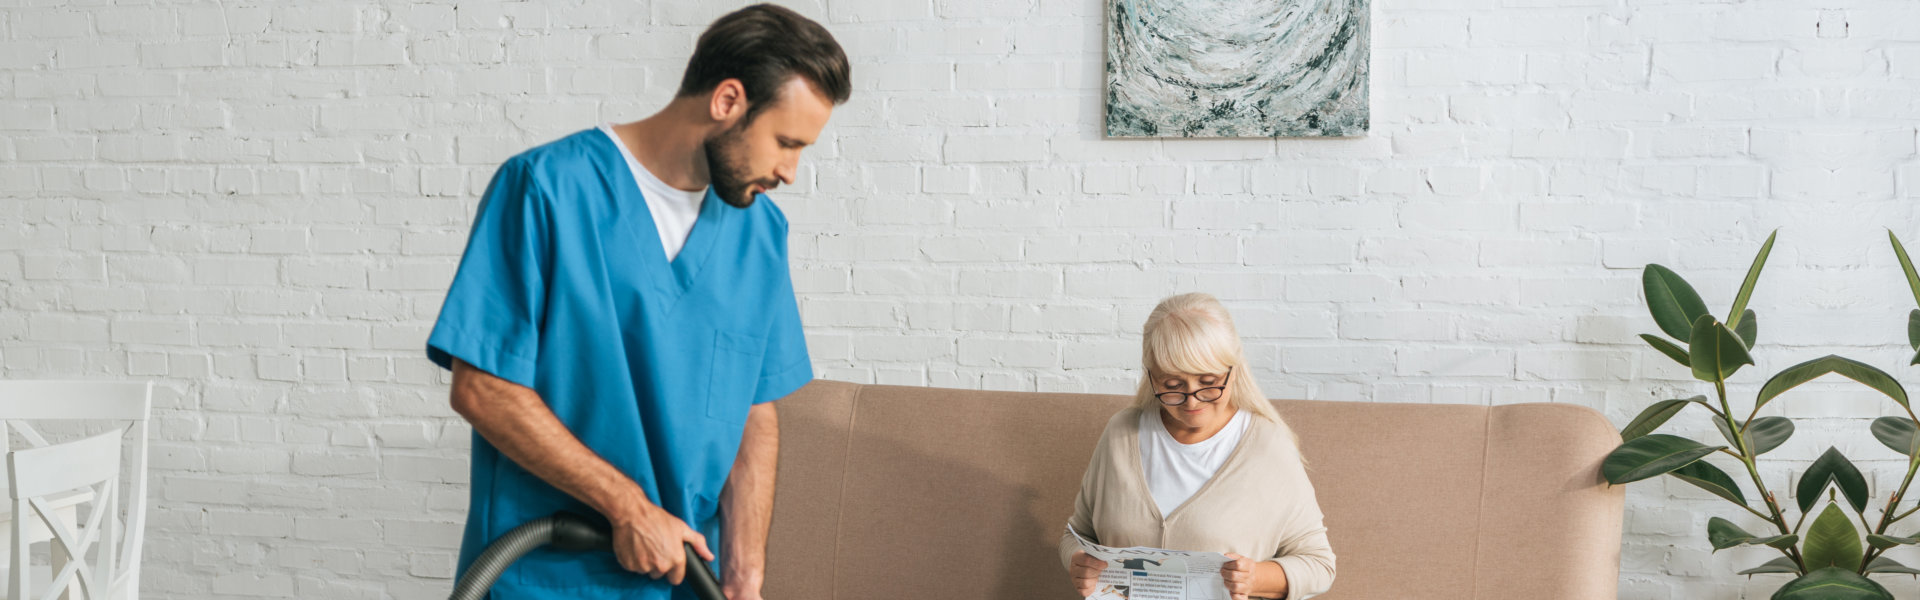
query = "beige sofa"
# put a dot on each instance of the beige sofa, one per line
(924, 493)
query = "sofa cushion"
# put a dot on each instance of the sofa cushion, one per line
(888, 492)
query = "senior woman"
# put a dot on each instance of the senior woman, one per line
(1202, 463)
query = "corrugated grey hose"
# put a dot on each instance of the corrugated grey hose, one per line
(565, 531)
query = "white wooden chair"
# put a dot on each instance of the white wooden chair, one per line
(47, 483)
(36, 477)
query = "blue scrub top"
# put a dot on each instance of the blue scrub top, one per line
(565, 289)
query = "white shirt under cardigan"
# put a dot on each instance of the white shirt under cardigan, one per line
(674, 210)
(1259, 504)
(1174, 470)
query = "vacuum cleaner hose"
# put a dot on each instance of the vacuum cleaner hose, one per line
(564, 531)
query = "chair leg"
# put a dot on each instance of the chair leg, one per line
(58, 560)
(59, 556)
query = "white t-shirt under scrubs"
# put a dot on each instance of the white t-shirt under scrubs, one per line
(674, 210)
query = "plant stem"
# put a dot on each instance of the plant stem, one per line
(1898, 494)
(1757, 513)
(1916, 508)
(1778, 519)
(1716, 412)
(1886, 517)
(1864, 526)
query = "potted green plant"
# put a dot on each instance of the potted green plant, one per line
(1827, 556)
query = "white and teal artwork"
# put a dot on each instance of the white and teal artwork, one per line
(1237, 68)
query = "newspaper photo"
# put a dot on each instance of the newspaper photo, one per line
(1154, 574)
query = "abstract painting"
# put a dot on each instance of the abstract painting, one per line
(1237, 68)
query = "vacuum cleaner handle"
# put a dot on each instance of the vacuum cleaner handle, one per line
(700, 577)
(565, 531)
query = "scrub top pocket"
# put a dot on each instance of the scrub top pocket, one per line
(735, 375)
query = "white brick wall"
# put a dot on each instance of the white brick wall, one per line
(260, 206)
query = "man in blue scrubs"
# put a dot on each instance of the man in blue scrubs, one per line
(623, 318)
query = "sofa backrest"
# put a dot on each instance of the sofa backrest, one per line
(897, 492)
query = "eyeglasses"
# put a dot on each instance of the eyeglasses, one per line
(1205, 394)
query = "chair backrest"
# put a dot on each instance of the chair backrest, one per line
(130, 402)
(35, 477)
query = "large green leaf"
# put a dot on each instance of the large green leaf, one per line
(1792, 377)
(1723, 534)
(1906, 265)
(1650, 456)
(1746, 287)
(1674, 304)
(1778, 542)
(1652, 418)
(1749, 328)
(1835, 468)
(1874, 378)
(1704, 475)
(1913, 329)
(1832, 583)
(1888, 541)
(1832, 541)
(1808, 371)
(1672, 350)
(1766, 433)
(1716, 352)
(1726, 433)
(1882, 564)
(1898, 433)
(1778, 565)
(1763, 435)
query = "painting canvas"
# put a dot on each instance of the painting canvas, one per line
(1237, 68)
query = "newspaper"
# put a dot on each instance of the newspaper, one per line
(1154, 574)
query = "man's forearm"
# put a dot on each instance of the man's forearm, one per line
(746, 504)
(516, 421)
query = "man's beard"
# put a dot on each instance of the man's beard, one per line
(726, 166)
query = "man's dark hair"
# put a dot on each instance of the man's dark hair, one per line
(763, 46)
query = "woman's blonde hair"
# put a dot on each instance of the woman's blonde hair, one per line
(1193, 334)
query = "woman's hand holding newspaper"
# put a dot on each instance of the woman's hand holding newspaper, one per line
(1239, 575)
(1086, 573)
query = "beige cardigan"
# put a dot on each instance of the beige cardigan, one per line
(1259, 505)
